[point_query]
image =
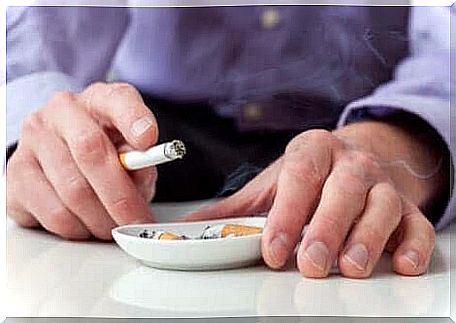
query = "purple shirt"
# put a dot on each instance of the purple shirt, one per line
(275, 67)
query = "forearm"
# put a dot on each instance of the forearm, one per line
(413, 156)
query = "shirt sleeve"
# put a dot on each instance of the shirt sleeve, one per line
(53, 49)
(422, 82)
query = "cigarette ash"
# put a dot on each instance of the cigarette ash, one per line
(175, 149)
(214, 232)
(145, 234)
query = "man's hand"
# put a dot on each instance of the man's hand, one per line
(65, 174)
(355, 206)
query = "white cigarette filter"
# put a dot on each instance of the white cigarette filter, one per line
(154, 156)
(229, 230)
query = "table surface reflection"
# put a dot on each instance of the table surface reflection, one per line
(47, 276)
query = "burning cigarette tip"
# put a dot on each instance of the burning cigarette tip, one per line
(175, 149)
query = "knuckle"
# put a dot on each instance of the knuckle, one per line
(374, 234)
(76, 191)
(306, 171)
(123, 86)
(387, 190)
(63, 98)
(319, 136)
(32, 123)
(121, 206)
(355, 184)
(386, 194)
(295, 144)
(60, 222)
(334, 224)
(96, 86)
(91, 146)
(122, 90)
(363, 161)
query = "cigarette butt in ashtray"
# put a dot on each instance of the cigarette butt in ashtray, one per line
(161, 235)
(210, 232)
(170, 236)
(239, 230)
(227, 230)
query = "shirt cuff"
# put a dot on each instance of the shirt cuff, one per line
(31, 92)
(369, 113)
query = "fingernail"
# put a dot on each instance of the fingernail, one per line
(358, 256)
(318, 254)
(412, 257)
(141, 125)
(278, 248)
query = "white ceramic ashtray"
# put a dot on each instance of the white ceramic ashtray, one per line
(193, 253)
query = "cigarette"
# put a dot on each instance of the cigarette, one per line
(153, 156)
(161, 235)
(227, 230)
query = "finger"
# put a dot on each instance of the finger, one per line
(254, 198)
(369, 236)
(414, 252)
(21, 216)
(98, 161)
(39, 198)
(306, 163)
(145, 180)
(68, 182)
(343, 199)
(14, 208)
(122, 106)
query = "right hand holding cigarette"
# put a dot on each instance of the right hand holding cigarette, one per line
(65, 174)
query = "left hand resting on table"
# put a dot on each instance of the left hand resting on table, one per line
(355, 204)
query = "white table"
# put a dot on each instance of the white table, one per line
(47, 276)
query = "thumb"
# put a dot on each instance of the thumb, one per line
(233, 206)
(253, 199)
(145, 181)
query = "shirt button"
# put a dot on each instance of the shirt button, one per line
(252, 112)
(270, 18)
